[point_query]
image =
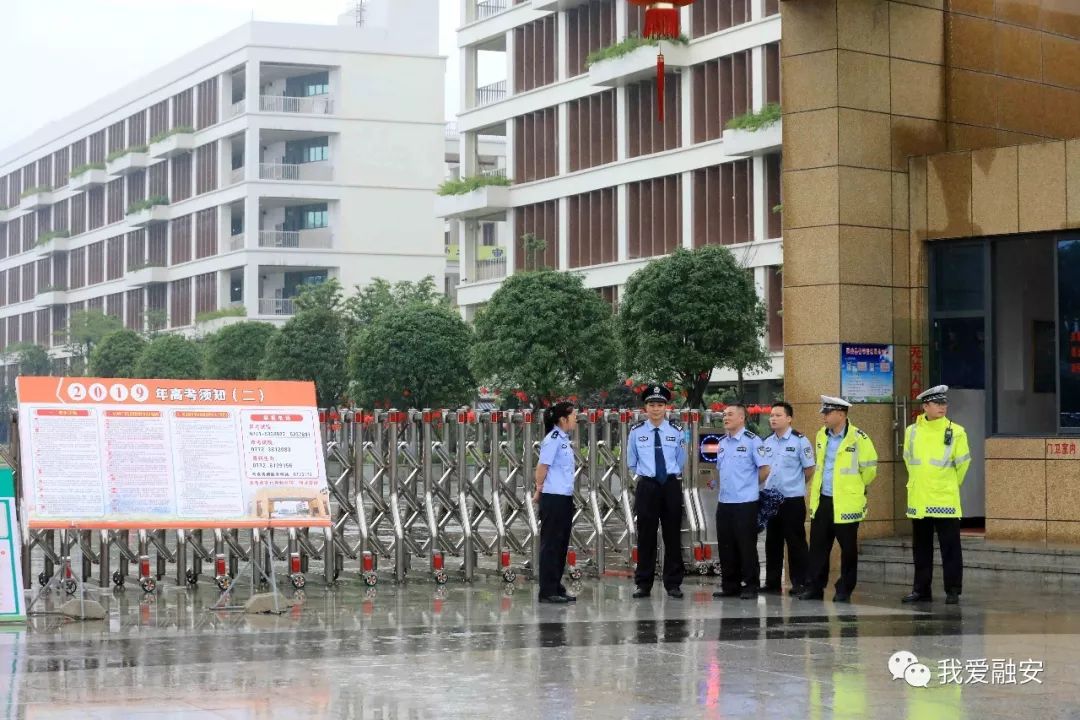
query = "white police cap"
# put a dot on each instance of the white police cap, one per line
(936, 394)
(833, 403)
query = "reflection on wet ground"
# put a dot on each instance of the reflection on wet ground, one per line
(475, 650)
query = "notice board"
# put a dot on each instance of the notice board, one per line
(866, 373)
(101, 453)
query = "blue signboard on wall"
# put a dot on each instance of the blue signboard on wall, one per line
(867, 373)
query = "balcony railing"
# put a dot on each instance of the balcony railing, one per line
(315, 105)
(490, 269)
(315, 239)
(237, 176)
(236, 242)
(487, 8)
(303, 172)
(450, 129)
(238, 108)
(277, 306)
(491, 93)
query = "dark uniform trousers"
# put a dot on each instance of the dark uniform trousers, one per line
(659, 505)
(823, 531)
(736, 539)
(556, 520)
(922, 547)
(788, 527)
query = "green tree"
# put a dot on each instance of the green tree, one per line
(415, 356)
(547, 335)
(172, 357)
(86, 328)
(115, 356)
(236, 352)
(33, 360)
(376, 298)
(311, 346)
(685, 314)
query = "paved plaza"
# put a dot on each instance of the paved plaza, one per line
(478, 651)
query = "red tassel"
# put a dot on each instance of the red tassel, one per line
(660, 87)
(662, 22)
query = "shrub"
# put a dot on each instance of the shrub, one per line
(85, 167)
(462, 186)
(147, 203)
(629, 45)
(768, 115)
(180, 130)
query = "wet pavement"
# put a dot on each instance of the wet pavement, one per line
(477, 651)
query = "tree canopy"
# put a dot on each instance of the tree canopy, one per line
(33, 360)
(236, 352)
(412, 356)
(86, 328)
(685, 314)
(116, 354)
(170, 356)
(546, 335)
(311, 346)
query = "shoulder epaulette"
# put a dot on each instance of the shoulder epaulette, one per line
(750, 434)
(862, 434)
(675, 424)
(796, 433)
(636, 425)
(770, 437)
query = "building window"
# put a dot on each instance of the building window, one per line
(774, 289)
(307, 217)
(296, 281)
(723, 211)
(593, 238)
(308, 85)
(723, 88)
(536, 145)
(655, 216)
(298, 152)
(536, 236)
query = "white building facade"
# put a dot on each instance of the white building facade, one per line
(596, 176)
(277, 156)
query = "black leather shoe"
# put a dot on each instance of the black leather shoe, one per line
(772, 590)
(914, 597)
(952, 599)
(640, 593)
(569, 598)
(675, 593)
(812, 595)
(797, 590)
(554, 600)
(841, 598)
(725, 594)
(748, 594)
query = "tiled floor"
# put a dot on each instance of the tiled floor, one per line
(475, 652)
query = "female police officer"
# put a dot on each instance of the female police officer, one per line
(555, 496)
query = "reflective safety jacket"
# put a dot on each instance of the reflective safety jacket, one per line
(854, 469)
(936, 468)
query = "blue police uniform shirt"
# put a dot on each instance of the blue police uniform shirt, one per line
(641, 448)
(788, 456)
(556, 453)
(831, 448)
(738, 458)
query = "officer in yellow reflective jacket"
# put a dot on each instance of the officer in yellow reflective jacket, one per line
(937, 458)
(846, 465)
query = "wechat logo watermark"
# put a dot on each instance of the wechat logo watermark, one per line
(904, 665)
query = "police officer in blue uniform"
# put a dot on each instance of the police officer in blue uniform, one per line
(792, 456)
(656, 453)
(555, 496)
(743, 466)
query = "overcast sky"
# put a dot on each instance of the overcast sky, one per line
(61, 55)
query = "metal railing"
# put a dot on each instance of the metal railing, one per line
(493, 172)
(490, 269)
(314, 239)
(238, 108)
(450, 129)
(314, 105)
(487, 8)
(492, 93)
(277, 306)
(303, 172)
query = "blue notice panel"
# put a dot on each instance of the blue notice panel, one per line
(866, 373)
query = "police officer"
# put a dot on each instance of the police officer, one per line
(656, 453)
(846, 465)
(937, 458)
(555, 496)
(792, 467)
(743, 467)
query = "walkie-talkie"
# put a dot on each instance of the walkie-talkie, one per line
(948, 435)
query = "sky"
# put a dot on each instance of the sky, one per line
(61, 55)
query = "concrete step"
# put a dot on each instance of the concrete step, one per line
(1026, 565)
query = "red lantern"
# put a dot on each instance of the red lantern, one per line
(661, 23)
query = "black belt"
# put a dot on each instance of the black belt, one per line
(669, 477)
